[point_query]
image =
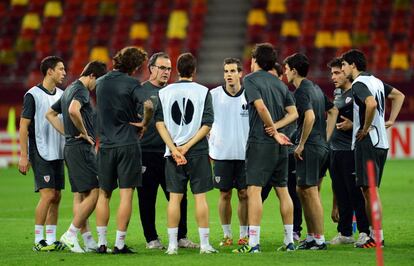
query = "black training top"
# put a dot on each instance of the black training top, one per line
(76, 91)
(275, 95)
(118, 99)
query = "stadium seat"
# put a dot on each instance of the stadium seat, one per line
(31, 21)
(290, 28)
(139, 30)
(399, 60)
(53, 9)
(342, 39)
(99, 53)
(276, 6)
(324, 39)
(177, 25)
(256, 17)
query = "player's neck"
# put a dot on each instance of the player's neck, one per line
(185, 79)
(346, 87)
(84, 81)
(297, 81)
(49, 84)
(233, 90)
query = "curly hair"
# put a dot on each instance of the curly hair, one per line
(128, 59)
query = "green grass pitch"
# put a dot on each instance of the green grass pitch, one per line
(17, 203)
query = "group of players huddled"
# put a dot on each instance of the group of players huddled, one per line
(251, 136)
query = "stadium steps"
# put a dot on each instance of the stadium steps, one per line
(224, 36)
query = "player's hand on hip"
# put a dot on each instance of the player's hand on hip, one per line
(344, 125)
(86, 137)
(389, 124)
(298, 152)
(361, 134)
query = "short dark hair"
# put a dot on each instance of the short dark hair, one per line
(232, 60)
(299, 62)
(186, 65)
(336, 62)
(154, 57)
(49, 62)
(265, 55)
(279, 69)
(129, 58)
(356, 57)
(96, 68)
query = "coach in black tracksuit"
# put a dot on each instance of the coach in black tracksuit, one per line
(349, 197)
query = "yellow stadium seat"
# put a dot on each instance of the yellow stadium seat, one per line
(276, 6)
(342, 38)
(99, 53)
(399, 61)
(31, 21)
(257, 17)
(139, 30)
(324, 39)
(23, 45)
(290, 28)
(7, 57)
(177, 25)
(19, 2)
(53, 9)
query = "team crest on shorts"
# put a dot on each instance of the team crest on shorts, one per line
(217, 178)
(143, 169)
(47, 178)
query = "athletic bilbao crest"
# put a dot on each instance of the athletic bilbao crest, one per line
(182, 113)
(46, 178)
(217, 178)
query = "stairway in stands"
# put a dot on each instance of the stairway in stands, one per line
(224, 36)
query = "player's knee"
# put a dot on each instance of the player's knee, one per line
(242, 195)
(225, 195)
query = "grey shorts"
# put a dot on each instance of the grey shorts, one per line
(47, 174)
(266, 164)
(197, 171)
(311, 168)
(81, 162)
(229, 174)
(120, 166)
(364, 152)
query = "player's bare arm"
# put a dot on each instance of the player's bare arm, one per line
(371, 105)
(308, 122)
(52, 117)
(397, 100)
(24, 164)
(330, 121)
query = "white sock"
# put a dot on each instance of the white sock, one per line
(254, 235)
(309, 237)
(102, 231)
(38, 233)
(227, 230)
(204, 235)
(288, 234)
(243, 231)
(50, 234)
(320, 239)
(120, 239)
(172, 237)
(88, 239)
(73, 231)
